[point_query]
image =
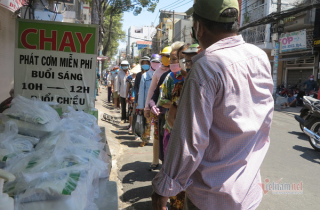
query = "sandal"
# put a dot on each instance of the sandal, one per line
(153, 167)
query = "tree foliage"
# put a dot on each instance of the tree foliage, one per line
(113, 10)
(116, 33)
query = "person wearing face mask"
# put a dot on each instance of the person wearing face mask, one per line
(158, 68)
(108, 81)
(172, 84)
(186, 65)
(145, 83)
(310, 85)
(122, 78)
(115, 87)
(220, 135)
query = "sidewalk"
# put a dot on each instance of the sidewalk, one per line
(130, 162)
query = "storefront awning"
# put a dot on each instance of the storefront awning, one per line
(12, 5)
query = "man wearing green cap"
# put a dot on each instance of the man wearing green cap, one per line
(221, 133)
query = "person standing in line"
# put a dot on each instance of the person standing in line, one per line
(157, 80)
(158, 69)
(144, 86)
(217, 143)
(186, 65)
(172, 83)
(131, 96)
(115, 87)
(136, 90)
(108, 82)
(122, 78)
(177, 202)
(145, 60)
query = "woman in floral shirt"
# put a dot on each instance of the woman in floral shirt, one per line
(171, 89)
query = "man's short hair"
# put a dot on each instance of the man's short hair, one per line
(217, 27)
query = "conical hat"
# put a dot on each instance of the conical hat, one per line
(136, 69)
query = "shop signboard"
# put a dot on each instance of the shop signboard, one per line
(11, 5)
(56, 62)
(293, 41)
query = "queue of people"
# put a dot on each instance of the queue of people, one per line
(151, 90)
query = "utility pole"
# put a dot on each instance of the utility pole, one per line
(184, 34)
(276, 57)
(173, 28)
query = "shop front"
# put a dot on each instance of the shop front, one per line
(297, 68)
(299, 58)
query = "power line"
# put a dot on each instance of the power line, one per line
(276, 16)
(168, 8)
(181, 5)
(156, 18)
(171, 4)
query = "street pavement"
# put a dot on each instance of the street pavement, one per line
(290, 160)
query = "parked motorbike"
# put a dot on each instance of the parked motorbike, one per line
(309, 120)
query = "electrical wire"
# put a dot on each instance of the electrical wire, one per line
(276, 16)
(181, 5)
(171, 4)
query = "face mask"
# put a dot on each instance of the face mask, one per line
(194, 34)
(175, 67)
(311, 79)
(165, 60)
(145, 67)
(155, 66)
(188, 70)
(117, 71)
(124, 67)
(182, 63)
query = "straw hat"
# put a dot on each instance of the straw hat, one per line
(136, 69)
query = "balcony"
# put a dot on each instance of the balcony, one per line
(259, 35)
(253, 11)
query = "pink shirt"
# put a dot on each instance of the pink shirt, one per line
(155, 79)
(221, 132)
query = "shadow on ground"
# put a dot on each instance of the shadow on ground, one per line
(308, 153)
(140, 206)
(135, 144)
(300, 135)
(138, 173)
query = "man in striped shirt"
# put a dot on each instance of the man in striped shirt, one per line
(221, 133)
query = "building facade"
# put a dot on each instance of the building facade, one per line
(136, 33)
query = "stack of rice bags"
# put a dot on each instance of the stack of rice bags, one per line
(64, 169)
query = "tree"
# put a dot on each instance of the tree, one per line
(115, 32)
(117, 7)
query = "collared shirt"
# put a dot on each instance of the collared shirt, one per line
(115, 82)
(145, 83)
(221, 132)
(122, 79)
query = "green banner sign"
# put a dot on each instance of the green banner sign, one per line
(56, 36)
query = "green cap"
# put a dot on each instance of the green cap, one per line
(211, 9)
(193, 49)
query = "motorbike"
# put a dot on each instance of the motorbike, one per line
(309, 120)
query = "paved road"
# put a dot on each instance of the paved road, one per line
(290, 159)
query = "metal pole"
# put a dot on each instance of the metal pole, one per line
(173, 28)
(276, 57)
(184, 34)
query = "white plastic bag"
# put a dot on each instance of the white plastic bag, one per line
(33, 111)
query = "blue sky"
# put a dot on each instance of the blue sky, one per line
(145, 18)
